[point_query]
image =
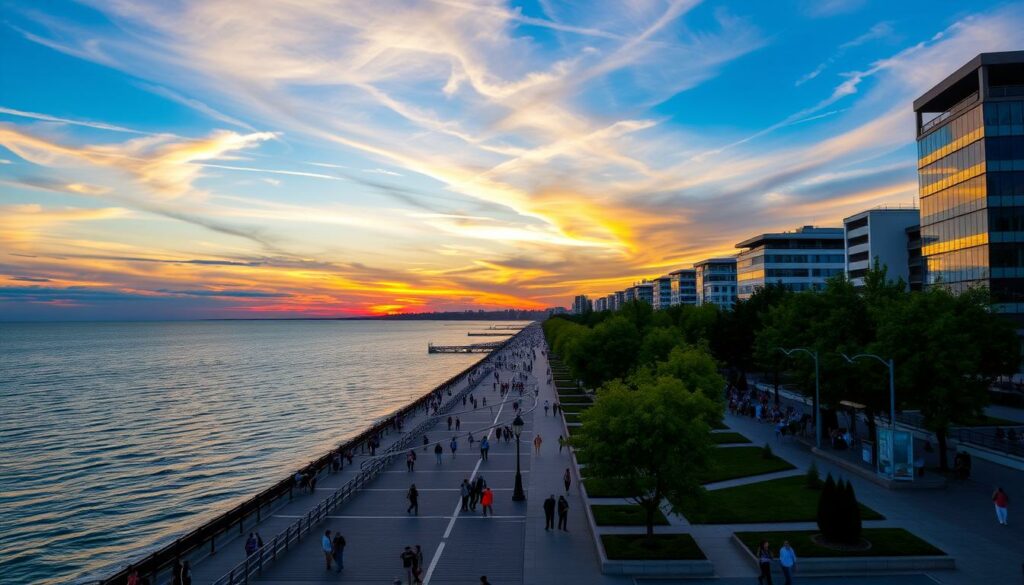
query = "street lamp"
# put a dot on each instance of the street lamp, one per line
(517, 429)
(817, 390)
(892, 396)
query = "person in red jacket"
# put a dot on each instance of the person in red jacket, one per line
(1002, 502)
(488, 501)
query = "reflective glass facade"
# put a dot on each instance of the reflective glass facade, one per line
(716, 282)
(799, 260)
(971, 177)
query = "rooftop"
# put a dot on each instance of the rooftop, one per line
(807, 232)
(937, 99)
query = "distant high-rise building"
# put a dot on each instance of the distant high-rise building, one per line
(600, 304)
(878, 234)
(662, 292)
(644, 292)
(629, 295)
(580, 305)
(684, 286)
(915, 265)
(799, 260)
(610, 302)
(970, 151)
(716, 282)
(620, 299)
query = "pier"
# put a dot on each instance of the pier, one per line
(471, 348)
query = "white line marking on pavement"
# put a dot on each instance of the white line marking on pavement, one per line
(433, 562)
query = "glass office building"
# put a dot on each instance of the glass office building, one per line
(716, 282)
(970, 146)
(803, 259)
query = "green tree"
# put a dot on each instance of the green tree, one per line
(658, 341)
(696, 369)
(947, 350)
(654, 440)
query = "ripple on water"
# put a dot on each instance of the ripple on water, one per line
(119, 436)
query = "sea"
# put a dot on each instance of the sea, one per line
(117, 437)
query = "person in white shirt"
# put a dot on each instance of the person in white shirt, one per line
(787, 559)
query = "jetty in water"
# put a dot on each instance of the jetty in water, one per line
(471, 348)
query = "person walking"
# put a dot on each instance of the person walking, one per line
(458, 423)
(464, 490)
(454, 445)
(408, 559)
(1002, 502)
(787, 560)
(410, 460)
(547, 405)
(328, 548)
(176, 573)
(561, 444)
(438, 451)
(563, 514)
(418, 569)
(449, 423)
(338, 553)
(567, 479)
(764, 561)
(487, 499)
(414, 500)
(536, 444)
(484, 581)
(250, 544)
(186, 573)
(549, 512)
(485, 447)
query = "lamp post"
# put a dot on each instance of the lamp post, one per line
(817, 390)
(517, 429)
(892, 397)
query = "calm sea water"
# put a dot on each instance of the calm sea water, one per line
(115, 437)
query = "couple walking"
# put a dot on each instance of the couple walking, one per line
(563, 513)
(334, 550)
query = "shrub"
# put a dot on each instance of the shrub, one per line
(852, 525)
(766, 451)
(826, 507)
(839, 513)
(813, 477)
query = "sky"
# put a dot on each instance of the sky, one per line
(188, 159)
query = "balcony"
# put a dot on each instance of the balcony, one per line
(956, 109)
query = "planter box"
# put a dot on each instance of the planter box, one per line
(856, 565)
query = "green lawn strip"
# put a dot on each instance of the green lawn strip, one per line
(605, 488)
(575, 400)
(718, 426)
(779, 500)
(728, 438)
(624, 515)
(885, 542)
(660, 547)
(736, 462)
(575, 408)
(571, 417)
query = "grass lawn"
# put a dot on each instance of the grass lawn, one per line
(718, 426)
(736, 462)
(779, 500)
(636, 547)
(576, 408)
(605, 488)
(625, 515)
(569, 400)
(571, 417)
(725, 438)
(885, 542)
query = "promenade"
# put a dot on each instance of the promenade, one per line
(458, 547)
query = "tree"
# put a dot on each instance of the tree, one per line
(654, 440)
(947, 350)
(827, 507)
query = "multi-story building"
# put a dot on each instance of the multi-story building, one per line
(799, 260)
(662, 292)
(644, 292)
(915, 265)
(878, 234)
(970, 151)
(716, 282)
(580, 305)
(684, 286)
(599, 304)
(620, 299)
(629, 294)
(609, 303)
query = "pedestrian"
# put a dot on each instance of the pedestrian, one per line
(133, 576)
(484, 581)
(549, 512)
(410, 461)
(464, 491)
(328, 548)
(536, 444)
(487, 499)
(186, 573)
(485, 447)
(563, 514)
(471, 440)
(414, 500)
(419, 564)
(453, 446)
(176, 573)
(408, 559)
(1002, 502)
(567, 479)
(787, 559)
(764, 561)
(426, 442)
(546, 407)
(438, 451)
(449, 423)
(338, 544)
(561, 443)
(458, 423)
(250, 544)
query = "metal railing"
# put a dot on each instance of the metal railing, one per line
(988, 440)
(203, 541)
(925, 127)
